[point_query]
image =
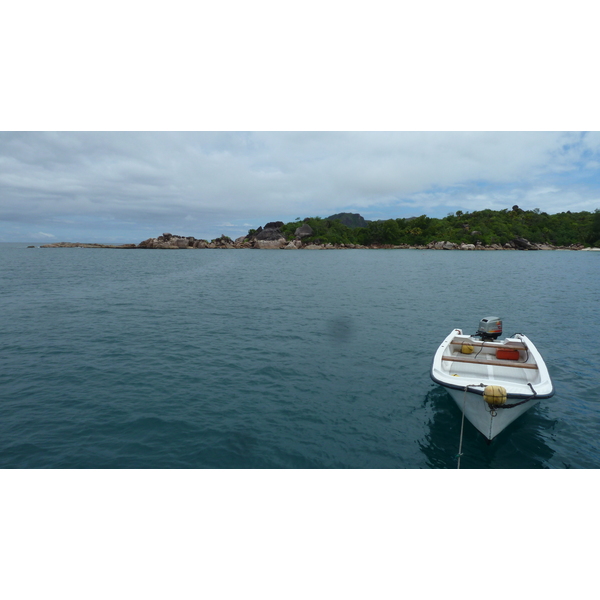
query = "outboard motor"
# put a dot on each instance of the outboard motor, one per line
(489, 328)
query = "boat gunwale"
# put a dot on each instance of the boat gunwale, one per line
(478, 389)
(471, 388)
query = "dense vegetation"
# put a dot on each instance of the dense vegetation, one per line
(485, 226)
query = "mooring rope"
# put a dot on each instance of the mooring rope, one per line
(462, 426)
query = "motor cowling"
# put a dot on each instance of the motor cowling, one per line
(490, 328)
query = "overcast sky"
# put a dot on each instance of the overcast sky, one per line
(328, 66)
(126, 187)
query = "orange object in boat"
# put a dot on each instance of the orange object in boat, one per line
(507, 354)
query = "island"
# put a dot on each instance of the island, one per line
(514, 229)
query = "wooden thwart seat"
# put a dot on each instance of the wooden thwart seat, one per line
(499, 363)
(518, 345)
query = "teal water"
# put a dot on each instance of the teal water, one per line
(275, 359)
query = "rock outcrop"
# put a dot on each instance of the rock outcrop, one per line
(188, 243)
(351, 220)
(270, 233)
(270, 244)
(168, 241)
(304, 231)
(442, 245)
(523, 244)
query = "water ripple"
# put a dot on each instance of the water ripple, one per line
(279, 360)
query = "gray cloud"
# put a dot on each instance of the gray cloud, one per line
(127, 186)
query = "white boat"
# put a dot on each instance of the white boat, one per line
(493, 382)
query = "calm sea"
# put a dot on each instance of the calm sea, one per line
(282, 359)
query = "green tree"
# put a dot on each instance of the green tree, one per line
(593, 237)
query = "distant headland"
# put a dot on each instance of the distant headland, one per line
(514, 229)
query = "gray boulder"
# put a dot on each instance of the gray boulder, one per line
(304, 231)
(269, 234)
(270, 244)
(223, 242)
(274, 225)
(523, 244)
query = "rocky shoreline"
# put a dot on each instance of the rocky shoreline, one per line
(271, 238)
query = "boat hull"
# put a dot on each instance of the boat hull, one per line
(489, 421)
